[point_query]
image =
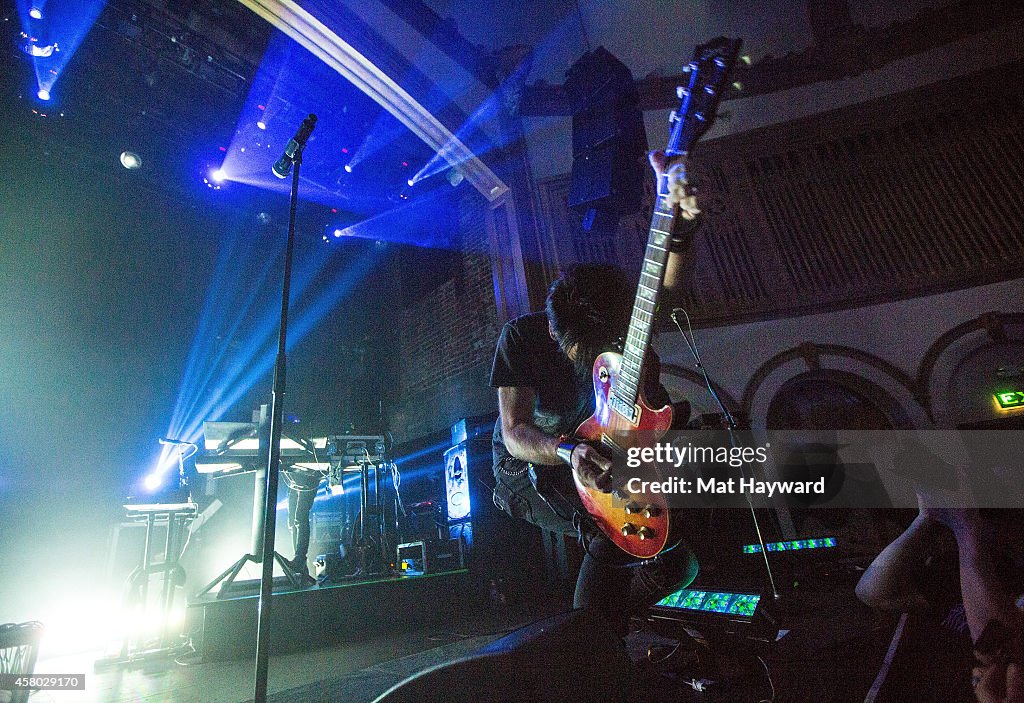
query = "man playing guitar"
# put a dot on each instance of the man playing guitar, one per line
(542, 370)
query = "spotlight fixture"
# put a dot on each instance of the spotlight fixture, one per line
(130, 160)
(218, 175)
(261, 124)
(333, 233)
(43, 94)
(410, 183)
(30, 47)
(35, 13)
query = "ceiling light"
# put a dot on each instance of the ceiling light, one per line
(130, 160)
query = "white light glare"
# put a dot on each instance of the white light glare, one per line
(35, 13)
(43, 94)
(348, 168)
(130, 160)
(218, 175)
(261, 124)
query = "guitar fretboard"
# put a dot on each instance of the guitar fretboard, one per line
(641, 322)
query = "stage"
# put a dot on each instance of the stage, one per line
(833, 651)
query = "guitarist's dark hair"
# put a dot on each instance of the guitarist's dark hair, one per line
(588, 309)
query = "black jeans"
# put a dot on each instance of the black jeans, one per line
(610, 581)
(302, 487)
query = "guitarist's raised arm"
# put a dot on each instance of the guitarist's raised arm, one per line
(671, 177)
(526, 441)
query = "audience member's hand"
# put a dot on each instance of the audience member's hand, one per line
(953, 509)
(591, 468)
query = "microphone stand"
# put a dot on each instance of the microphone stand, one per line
(273, 461)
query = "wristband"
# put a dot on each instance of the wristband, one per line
(565, 450)
(682, 234)
(678, 245)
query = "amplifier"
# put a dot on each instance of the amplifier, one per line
(429, 557)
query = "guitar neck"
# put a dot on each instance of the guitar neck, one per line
(709, 74)
(641, 322)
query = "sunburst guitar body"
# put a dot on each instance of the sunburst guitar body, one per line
(638, 523)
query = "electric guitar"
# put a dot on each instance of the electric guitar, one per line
(641, 523)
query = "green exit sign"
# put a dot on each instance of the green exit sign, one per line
(1008, 400)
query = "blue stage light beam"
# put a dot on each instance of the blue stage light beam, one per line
(420, 221)
(469, 133)
(232, 273)
(438, 449)
(227, 383)
(52, 33)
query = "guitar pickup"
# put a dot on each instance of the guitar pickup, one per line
(630, 411)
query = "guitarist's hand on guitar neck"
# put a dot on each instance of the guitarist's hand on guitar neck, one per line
(673, 183)
(592, 469)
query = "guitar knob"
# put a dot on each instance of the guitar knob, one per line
(645, 533)
(631, 508)
(630, 529)
(649, 511)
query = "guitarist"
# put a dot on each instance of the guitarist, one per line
(542, 370)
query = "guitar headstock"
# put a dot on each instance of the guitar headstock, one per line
(709, 73)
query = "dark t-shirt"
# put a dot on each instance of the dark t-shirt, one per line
(527, 356)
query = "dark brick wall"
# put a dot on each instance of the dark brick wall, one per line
(445, 339)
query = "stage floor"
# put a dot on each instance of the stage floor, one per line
(832, 653)
(232, 681)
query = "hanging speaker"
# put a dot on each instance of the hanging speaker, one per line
(608, 135)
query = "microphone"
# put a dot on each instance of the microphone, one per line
(295, 144)
(175, 442)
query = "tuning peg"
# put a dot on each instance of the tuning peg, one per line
(720, 62)
(682, 92)
(737, 85)
(673, 117)
(745, 59)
